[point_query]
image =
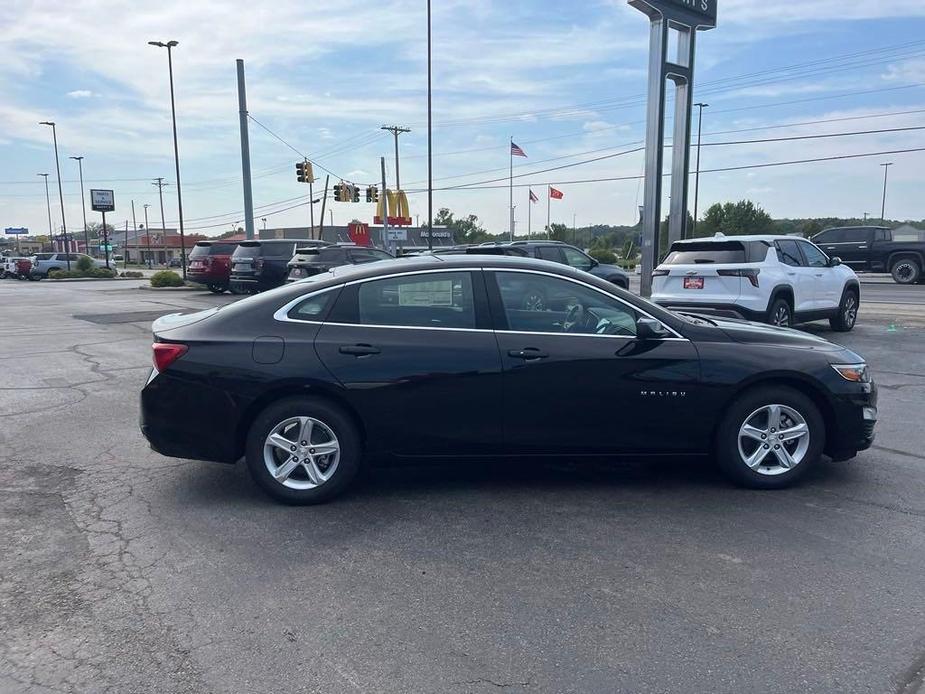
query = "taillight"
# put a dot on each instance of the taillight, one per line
(751, 274)
(166, 353)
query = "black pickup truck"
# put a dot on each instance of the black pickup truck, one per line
(877, 249)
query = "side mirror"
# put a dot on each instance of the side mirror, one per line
(834, 262)
(650, 329)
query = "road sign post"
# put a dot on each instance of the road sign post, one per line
(686, 17)
(103, 201)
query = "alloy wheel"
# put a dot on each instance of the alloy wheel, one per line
(773, 440)
(850, 313)
(301, 453)
(781, 317)
(904, 272)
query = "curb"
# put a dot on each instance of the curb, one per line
(148, 287)
(92, 279)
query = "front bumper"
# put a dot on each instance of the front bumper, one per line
(853, 421)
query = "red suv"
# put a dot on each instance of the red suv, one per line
(210, 264)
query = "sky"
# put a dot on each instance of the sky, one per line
(566, 81)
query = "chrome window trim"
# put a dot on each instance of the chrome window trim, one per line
(281, 313)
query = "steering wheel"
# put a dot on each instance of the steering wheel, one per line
(573, 316)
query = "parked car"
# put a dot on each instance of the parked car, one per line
(12, 267)
(314, 259)
(210, 264)
(873, 249)
(43, 263)
(436, 357)
(559, 252)
(780, 280)
(260, 265)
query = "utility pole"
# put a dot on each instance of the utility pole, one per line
(700, 105)
(866, 215)
(430, 141)
(148, 234)
(385, 208)
(83, 203)
(324, 201)
(67, 250)
(245, 155)
(574, 230)
(125, 245)
(886, 168)
(51, 231)
(159, 182)
(311, 206)
(396, 130)
(135, 229)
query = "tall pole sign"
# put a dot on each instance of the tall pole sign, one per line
(103, 201)
(686, 17)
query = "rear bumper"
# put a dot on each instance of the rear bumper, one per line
(727, 310)
(207, 277)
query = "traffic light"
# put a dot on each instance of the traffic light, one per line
(338, 188)
(304, 172)
(372, 194)
(356, 193)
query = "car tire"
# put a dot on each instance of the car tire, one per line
(306, 482)
(734, 445)
(847, 315)
(780, 313)
(906, 271)
(217, 288)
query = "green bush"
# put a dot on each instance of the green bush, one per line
(84, 264)
(166, 278)
(132, 273)
(100, 273)
(603, 255)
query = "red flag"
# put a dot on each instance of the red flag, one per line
(555, 194)
(533, 197)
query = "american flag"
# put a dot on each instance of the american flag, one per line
(533, 197)
(517, 151)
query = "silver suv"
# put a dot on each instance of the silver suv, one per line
(43, 263)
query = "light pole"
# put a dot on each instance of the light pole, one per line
(67, 250)
(148, 234)
(264, 220)
(700, 105)
(83, 204)
(176, 150)
(51, 232)
(886, 168)
(430, 142)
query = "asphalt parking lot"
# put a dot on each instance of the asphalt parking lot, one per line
(124, 571)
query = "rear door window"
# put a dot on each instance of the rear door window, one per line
(789, 253)
(855, 235)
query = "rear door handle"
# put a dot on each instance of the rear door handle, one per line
(359, 350)
(527, 354)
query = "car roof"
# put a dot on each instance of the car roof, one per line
(767, 238)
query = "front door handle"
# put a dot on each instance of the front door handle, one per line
(359, 350)
(527, 354)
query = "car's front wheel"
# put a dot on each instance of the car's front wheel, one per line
(303, 450)
(770, 437)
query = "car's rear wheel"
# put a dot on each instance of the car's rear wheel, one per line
(303, 450)
(770, 437)
(847, 314)
(780, 313)
(906, 271)
(217, 288)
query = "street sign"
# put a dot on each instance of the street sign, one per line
(16, 230)
(102, 200)
(104, 247)
(698, 13)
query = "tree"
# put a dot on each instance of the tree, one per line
(734, 219)
(558, 232)
(468, 230)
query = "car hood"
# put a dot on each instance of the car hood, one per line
(179, 320)
(748, 332)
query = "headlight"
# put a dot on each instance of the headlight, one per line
(856, 373)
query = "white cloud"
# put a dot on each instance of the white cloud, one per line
(80, 94)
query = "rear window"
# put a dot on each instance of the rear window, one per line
(716, 252)
(248, 250)
(201, 249)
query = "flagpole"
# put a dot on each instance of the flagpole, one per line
(529, 210)
(510, 152)
(548, 209)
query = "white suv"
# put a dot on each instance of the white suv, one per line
(780, 280)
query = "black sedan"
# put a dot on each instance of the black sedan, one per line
(441, 357)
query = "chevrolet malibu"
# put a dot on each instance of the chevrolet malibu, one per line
(440, 357)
